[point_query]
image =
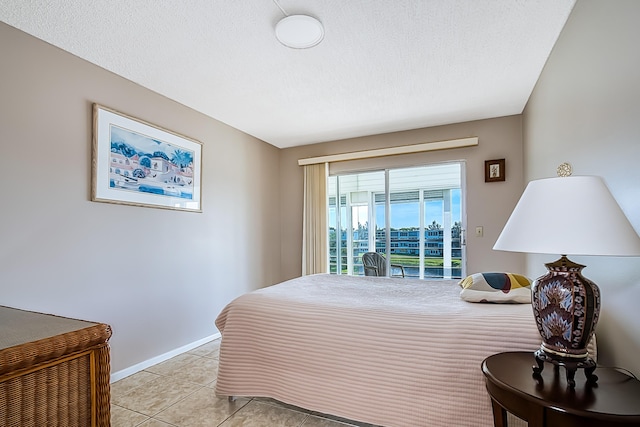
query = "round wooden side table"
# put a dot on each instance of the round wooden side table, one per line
(548, 401)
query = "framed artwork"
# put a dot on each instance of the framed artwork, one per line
(494, 170)
(137, 163)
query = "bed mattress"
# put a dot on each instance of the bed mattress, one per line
(386, 351)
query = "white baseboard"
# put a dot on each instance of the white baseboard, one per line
(115, 376)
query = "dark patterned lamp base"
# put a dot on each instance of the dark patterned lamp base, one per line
(566, 307)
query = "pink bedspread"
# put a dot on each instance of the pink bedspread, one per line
(392, 352)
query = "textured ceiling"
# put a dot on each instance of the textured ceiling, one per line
(383, 65)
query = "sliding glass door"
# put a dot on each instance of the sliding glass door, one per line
(352, 219)
(413, 216)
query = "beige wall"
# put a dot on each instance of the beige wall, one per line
(159, 277)
(585, 110)
(488, 204)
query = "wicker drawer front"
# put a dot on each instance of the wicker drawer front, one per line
(57, 394)
(54, 371)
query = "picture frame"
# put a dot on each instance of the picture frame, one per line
(140, 164)
(494, 170)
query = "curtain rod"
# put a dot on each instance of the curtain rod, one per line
(391, 151)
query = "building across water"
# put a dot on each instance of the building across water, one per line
(404, 249)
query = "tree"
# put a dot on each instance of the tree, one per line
(122, 148)
(181, 158)
(138, 173)
(160, 154)
(434, 226)
(456, 229)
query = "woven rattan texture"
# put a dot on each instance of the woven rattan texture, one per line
(62, 380)
(102, 387)
(57, 395)
(32, 353)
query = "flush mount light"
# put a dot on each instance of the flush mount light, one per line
(299, 31)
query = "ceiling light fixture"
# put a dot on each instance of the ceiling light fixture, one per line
(298, 31)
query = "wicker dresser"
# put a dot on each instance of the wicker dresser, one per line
(54, 371)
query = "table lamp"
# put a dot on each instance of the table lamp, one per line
(567, 215)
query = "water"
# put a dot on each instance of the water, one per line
(432, 272)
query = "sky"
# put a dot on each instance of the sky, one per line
(143, 143)
(406, 214)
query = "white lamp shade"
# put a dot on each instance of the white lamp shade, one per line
(575, 215)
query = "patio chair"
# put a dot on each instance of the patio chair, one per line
(376, 265)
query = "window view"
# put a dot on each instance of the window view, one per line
(421, 209)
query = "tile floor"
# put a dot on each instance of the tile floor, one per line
(180, 393)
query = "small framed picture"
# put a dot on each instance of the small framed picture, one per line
(494, 170)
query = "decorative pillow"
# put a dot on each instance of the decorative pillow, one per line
(496, 287)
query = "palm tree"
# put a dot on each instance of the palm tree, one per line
(434, 226)
(455, 230)
(181, 158)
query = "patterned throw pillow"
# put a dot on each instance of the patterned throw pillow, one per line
(496, 287)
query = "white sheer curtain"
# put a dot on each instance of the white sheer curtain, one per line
(314, 223)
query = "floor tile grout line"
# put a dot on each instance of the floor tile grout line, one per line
(304, 420)
(177, 401)
(235, 412)
(164, 422)
(173, 372)
(136, 387)
(178, 367)
(139, 424)
(136, 412)
(200, 387)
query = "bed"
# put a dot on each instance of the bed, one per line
(386, 351)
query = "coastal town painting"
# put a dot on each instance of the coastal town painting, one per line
(137, 163)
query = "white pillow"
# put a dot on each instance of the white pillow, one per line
(496, 287)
